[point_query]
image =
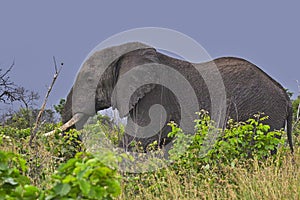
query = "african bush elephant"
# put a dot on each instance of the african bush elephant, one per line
(248, 91)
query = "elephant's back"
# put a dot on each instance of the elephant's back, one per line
(239, 66)
(250, 90)
(240, 73)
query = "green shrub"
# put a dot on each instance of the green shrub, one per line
(210, 146)
(68, 143)
(13, 183)
(15, 132)
(60, 106)
(86, 176)
(26, 118)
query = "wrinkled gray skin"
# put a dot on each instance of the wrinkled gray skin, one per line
(249, 90)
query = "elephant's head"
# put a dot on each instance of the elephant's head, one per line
(97, 78)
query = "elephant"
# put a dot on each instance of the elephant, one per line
(248, 90)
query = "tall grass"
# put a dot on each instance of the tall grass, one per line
(255, 179)
(279, 179)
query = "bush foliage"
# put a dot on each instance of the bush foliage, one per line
(210, 146)
(209, 164)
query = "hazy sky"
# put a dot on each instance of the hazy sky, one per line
(31, 32)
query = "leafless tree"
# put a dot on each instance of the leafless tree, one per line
(10, 92)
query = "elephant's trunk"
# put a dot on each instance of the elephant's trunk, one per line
(76, 118)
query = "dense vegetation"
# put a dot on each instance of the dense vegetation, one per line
(231, 168)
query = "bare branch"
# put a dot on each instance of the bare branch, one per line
(8, 70)
(34, 130)
(55, 65)
(9, 91)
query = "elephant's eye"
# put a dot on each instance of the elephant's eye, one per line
(89, 79)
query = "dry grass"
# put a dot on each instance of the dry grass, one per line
(278, 179)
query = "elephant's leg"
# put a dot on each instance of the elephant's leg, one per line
(243, 109)
(275, 124)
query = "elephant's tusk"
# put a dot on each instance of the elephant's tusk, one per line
(77, 117)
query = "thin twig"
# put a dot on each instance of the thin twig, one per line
(38, 119)
(8, 70)
(298, 109)
(297, 116)
(298, 113)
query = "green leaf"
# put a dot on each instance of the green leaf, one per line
(69, 164)
(84, 186)
(22, 164)
(68, 179)
(62, 189)
(31, 191)
(49, 197)
(3, 166)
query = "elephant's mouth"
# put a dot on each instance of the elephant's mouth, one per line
(76, 118)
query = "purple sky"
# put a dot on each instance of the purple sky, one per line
(31, 32)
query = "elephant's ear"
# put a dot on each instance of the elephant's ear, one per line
(126, 104)
(134, 79)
